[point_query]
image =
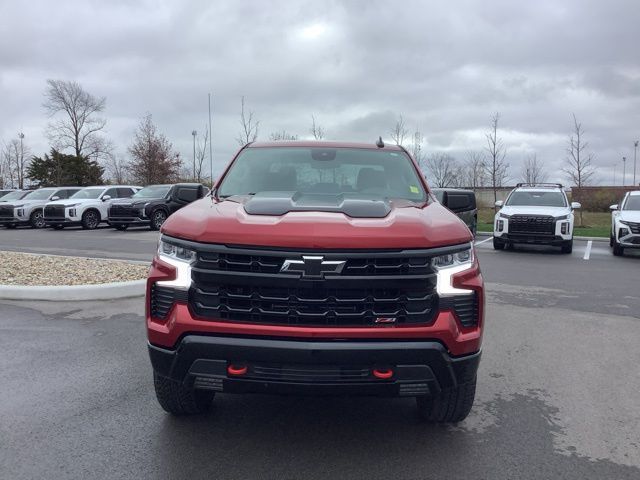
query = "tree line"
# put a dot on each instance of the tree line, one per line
(81, 154)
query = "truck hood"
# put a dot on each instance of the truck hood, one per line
(28, 203)
(136, 202)
(552, 211)
(406, 225)
(629, 216)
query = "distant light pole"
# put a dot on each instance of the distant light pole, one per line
(21, 163)
(624, 169)
(635, 152)
(194, 133)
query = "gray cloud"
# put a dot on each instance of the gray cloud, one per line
(355, 65)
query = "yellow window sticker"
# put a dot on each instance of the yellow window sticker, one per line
(414, 189)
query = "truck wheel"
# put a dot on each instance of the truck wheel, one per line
(567, 247)
(451, 405)
(611, 239)
(157, 219)
(618, 250)
(498, 244)
(177, 399)
(90, 220)
(121, 226)
(37, 219)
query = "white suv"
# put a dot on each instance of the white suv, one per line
(28, 210)
(625, 223)
(88, 207)
(535, 214)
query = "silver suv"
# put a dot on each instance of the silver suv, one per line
(28, 210)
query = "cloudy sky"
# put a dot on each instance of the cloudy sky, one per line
(445, 66)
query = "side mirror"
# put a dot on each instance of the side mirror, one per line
(106, 197)
(499, 203)
(613, 208)
(54, 198)
(575, 205)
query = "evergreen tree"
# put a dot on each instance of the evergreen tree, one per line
(59, 169)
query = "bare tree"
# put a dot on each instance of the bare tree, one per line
(496, 167)
(533, 170)
(474, 170)
(201, 154)
(399, 132)
(316, 130)
(442, 169)
(153, 159)
(80, 127)
(417, 139)
(117, 168)
(578, 167)
(282, 136)
(15, 158)
(249, 126)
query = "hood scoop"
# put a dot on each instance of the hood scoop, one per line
(280, 203)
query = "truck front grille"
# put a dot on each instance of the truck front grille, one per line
(6, 211)
(634, 227)
(466, 308)
(247, 285)
(53, 211)
(532, 224)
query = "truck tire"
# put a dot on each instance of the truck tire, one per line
(567, 247)
(36, 220)
(618, 250)
(177, 399)
(90, 219)
(498, 244)
(451, 405)
(611, 239)
(157, 219)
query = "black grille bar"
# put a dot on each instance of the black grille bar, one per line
(538, 224)
(466, 308)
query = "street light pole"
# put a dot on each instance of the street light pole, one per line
(21, 163)
(635, 152)
(194, 133)
(624, 169)
(614, 174)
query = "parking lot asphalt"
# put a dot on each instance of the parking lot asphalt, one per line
(557, 390)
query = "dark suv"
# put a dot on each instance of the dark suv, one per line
(153, 204)
(461, 202)
(317, 268)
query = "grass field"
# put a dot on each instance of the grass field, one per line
(596, 224)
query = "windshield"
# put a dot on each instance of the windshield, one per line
(17, 195)
(88, 193)
(317, 170)
(153, 191)
(42, 194)
(632, 203)
(536, 199)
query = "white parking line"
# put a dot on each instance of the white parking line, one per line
(485, 240)
(587, 252)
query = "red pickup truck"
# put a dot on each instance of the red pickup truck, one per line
(317, 268)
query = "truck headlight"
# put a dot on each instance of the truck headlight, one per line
(502, 215)
(448, 265)
(176, 252)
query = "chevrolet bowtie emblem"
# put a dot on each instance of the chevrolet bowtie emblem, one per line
(313, 267)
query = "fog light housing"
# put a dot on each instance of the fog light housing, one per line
(500, 225)
(72, 212)
(20, 212)
(623, 232)
(564, 228)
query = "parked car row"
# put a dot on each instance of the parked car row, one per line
(118, 205)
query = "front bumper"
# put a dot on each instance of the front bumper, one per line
(13, 221)
(283, 366)
(630, 241)
(533, 239)
(49, 221)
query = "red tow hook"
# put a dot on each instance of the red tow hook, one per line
(237, 370)
(382, 373)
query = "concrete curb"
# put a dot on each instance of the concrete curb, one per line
(593, 239)
(70, 293)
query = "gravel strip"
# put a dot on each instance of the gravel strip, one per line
(31, 270)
